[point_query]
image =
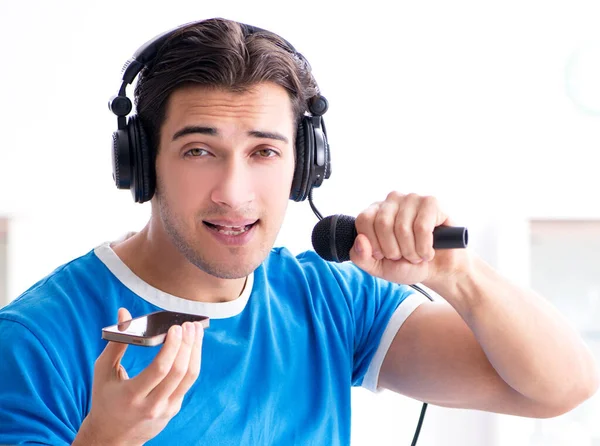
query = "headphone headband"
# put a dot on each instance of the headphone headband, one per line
(148, 51)
(133, 159)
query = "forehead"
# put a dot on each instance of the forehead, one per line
(264, 104)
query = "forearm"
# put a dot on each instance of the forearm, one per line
(526, 340)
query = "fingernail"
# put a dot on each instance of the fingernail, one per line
(191, 329)
(177, 331)
(357, 247)
(377, 255)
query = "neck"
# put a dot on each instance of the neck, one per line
(152, 257)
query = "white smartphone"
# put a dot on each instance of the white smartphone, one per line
(151, 329)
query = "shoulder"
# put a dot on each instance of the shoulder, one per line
(52, 290)
(62, 305)
(324, 276)
(307, 265)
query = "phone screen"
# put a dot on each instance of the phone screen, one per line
(149, 329)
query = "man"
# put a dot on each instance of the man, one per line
(289, 335)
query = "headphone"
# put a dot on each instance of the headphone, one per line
(132, 156)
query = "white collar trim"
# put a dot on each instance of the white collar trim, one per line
(220, 310)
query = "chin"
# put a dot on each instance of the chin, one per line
(233, 265)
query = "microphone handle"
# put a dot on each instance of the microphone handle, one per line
(450, 237)
(444, 237)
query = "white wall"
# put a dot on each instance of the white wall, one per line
(464, 100)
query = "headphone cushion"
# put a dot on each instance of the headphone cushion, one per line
(303, 159)
(121, 159)
(299, 168)
(142, 165)
(147, 166)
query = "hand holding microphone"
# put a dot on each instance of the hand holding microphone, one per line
(396, 240)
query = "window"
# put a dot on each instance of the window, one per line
(565, 268)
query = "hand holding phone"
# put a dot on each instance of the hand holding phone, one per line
(151, 329)
(132, 411)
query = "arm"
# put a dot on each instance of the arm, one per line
(493, 346)
(132, 411)
(38, 403)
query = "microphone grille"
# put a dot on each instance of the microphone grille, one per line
(321, 238)
(333, 237)
(345, 233)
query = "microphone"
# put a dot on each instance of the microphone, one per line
(333, 237)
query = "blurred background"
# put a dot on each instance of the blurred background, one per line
(492, 107)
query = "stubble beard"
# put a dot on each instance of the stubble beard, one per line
(187, 246)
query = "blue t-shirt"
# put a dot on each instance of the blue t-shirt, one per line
(278, 363)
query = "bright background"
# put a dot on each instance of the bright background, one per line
(493, 107)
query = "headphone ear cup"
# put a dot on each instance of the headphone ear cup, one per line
(143, 165)
(121, 159)
(304, 157)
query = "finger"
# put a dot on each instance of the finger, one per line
(180, 366)
(364, 225)
(161, 365)
(403, 228)
(428, 217)
(361, 255)
(108, 365)
(384, 230)
(123, 315)
(194, 365)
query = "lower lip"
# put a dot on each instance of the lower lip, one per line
(232, 240)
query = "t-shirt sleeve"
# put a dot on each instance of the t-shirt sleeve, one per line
(379, 310)
(36, 405)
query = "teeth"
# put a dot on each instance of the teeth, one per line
(232, 230)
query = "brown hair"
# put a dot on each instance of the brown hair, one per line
(219, 53)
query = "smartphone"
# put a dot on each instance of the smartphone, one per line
(151, 329)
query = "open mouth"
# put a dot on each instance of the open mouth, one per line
(230, 230)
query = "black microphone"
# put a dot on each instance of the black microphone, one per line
(333, 237)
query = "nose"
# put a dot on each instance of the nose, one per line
(234, 185)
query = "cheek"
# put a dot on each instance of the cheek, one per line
(277, 183)
(179, 184)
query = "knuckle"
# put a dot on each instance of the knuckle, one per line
(154, 411)
(430, 201)
(179, 370)
(421, 228)
(384, 221)
(403, 229)
(162, 368)
(173, 408)
(364, 222)
(362, 219)
(394, 195)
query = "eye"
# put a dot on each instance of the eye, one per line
(267, 153)
(196, 152)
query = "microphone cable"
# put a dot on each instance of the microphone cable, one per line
(415, 287)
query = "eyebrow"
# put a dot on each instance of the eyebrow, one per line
(192, 129)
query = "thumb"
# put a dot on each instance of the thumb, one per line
(123, 315)
(361, 255)
(109, 361)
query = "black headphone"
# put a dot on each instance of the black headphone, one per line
(132, 156)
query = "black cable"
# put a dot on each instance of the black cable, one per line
(419, 424)
(416, 287)
(312, 205)
(424, 408)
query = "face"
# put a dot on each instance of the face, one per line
(224, 172)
